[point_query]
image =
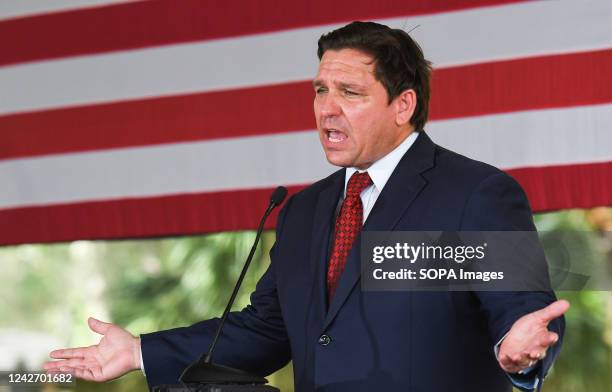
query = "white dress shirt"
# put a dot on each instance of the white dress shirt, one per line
(379, 172)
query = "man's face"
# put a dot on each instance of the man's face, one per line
(356, 124)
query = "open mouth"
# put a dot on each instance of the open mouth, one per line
(335, 136)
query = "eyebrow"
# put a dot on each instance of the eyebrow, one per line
(350, 86)
(317, 83)
(342, 85)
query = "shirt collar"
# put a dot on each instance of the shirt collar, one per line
(381, 170)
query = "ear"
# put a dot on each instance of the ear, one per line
(405, 105)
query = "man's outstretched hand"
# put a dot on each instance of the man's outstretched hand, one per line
(529, 338)
(117, 353)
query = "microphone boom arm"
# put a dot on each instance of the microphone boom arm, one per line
(208, 357)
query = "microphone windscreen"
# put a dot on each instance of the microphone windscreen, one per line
(278, 195)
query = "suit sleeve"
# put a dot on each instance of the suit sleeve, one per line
(500, 204)
(253, 339)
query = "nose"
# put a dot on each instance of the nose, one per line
(328, 106)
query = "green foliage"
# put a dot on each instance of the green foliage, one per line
(144, 285)
(585, 360)
(178, 282)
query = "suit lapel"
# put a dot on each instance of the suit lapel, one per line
(321, 233)
(403, 187)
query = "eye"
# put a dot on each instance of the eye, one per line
(320, 90)
(351, 93)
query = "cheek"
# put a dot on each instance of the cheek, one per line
(316, 111)
(356, 118)
(371, 132)
(361, 125)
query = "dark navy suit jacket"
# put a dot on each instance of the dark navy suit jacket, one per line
(378, 341)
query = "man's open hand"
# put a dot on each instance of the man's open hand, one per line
(117, 353)
(529, 338)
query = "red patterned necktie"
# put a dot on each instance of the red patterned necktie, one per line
(348, 225)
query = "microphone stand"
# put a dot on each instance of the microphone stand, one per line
(204, 371)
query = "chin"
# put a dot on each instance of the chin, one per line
(336, 160)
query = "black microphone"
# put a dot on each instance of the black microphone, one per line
(278, 196)
(203, 371)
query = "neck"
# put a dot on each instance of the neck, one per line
(397, 142)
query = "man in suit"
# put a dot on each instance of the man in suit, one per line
(371, 100)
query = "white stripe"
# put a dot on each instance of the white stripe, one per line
(533, 138)
(469, 36)
(251, 162)
(10, 9)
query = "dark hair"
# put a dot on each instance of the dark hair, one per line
(399, 61)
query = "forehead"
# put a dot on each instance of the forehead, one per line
(346, 64)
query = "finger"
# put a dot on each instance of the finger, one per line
(521, 361)
(507, 364)
(66, 353)
(56, 365)
(78, 372)
(73, 363)
(552, 338)
(548, 340)
(51, 366)
(505, 361)
(98, 326)
(552, 311)
(537, 355)
(67, 369)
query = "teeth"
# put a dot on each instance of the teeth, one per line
(335, 136)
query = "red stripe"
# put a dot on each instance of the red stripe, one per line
(139, 217)
(544, 82)
(223, 114)
(566, 186)
(151, 23)
(505, 86)
(549, 188)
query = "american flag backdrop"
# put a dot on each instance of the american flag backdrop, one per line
(156, 118)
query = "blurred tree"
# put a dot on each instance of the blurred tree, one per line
(584, 363)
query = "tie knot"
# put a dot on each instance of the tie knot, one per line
(357, 183)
